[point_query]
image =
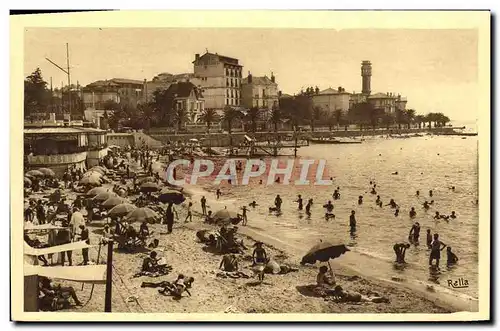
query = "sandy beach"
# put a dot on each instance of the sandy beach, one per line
(290, 293)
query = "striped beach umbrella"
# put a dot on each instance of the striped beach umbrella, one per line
(105, 196)
(142, 214)
(96, 190)
(34, 173)
(121, 210)
(47, 172)
(112, 202)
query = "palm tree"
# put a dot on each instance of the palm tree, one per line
(410, 116)
(314, 115)
(146, 114)
(388, 120)
(208, 116)
(419, 119)
(230, 115)
(180, 116)
(252, 116)
(331, 121)
(400, 117)
(275, 117)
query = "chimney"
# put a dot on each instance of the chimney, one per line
(273, 79)
(249, 77)
(196, 57)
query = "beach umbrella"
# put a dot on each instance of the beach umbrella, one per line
(324, 251)
(34, 173)
(91, 180)
(226, 216)
(121, 210)
(92, 173)
(27, 182)
(96, 190)
(112, 202)
(142, 214)
(98, 170)
(47, 172)
(147, 180)
(171, 196)
(149, 187)
(105, 196)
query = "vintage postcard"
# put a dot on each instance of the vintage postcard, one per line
(250, 166)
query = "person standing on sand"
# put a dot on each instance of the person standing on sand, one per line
(218, 194)
(169, 217)
(189, 214)
(299, 201)
(244, 216)
(203, 205)
(278, 202)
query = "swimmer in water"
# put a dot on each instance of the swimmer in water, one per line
(432, 202)
(426, 205)
(260, 182)
(299, 201)
(453, 215)
(392, 203)
(430, 193)
(336, 195)
(400, 250)
(373, 191)
(395, 173)
(329, 209)
(429, 238)
(437, 216)
(377, 202)
(418, 193)
(414, 233)
(436, 247)
(451, 258)
(413, 213)
(360, 200)
(380, 204)
(352, 221)
(253, 204)
(396, 213)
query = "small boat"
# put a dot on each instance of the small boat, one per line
(333, 141)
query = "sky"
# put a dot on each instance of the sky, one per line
(437, 70)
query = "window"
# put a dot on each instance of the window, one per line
(232, 82)
(227, 93)
(227, 81)
(227, 101)
(227, 71)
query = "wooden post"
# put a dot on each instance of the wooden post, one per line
(109, 278)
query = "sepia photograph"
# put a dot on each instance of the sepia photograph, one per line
(296, 166)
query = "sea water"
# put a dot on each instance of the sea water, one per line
(422, 163)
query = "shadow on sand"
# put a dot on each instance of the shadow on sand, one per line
(308, 290)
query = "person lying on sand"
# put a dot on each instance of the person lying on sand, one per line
(272, 267)
(153, 267)
(340, 295)
(178, 287)
(230, 267)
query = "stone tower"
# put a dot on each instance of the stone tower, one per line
(366, 74)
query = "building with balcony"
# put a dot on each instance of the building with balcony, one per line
(220, 80)
(389, 102)
(58, 148)
(259, 92)
(127, 92)
(331, 100)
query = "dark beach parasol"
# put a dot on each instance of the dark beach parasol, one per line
(168, 195)
(142, 214)
(324, 251)
(121, 210)
(149, 187)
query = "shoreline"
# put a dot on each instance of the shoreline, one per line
(445, 299)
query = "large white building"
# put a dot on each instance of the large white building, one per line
(331, 100)
(219, 78)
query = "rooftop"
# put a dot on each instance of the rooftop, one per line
(61, 130)
(258, 80)
(184, 89)
(222, 58)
